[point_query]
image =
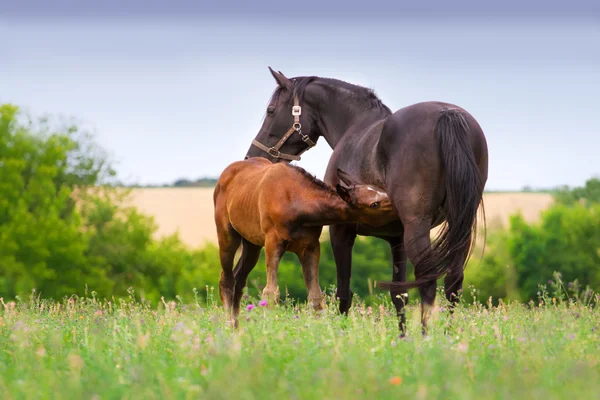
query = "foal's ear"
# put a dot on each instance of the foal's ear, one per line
(345, 177)
(281, 79)
(344, 193)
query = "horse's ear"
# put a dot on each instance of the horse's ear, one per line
(345, 177)
(344, 193)
(281, 79)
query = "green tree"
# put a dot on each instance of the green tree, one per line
(588, 194)
(64, 227)
(566, 240)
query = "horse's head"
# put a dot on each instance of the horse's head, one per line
(370, 204)
(289, 128)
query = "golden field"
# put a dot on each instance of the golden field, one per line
(190, 210)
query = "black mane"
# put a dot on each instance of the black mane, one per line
(361, 93)
(314, 180)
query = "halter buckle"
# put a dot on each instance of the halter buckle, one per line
(296, 110)
(274, 152)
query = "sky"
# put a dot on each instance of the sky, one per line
(180, 91)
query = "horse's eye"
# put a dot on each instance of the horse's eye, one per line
(270, 110)
(374, 205)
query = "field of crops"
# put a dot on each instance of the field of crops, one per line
(91, 349)
(190, 210)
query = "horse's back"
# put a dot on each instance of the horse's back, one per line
(415, 125)
(240, 172)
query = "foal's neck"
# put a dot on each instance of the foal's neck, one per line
(326, 208)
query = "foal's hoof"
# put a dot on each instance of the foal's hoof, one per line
(234, 323)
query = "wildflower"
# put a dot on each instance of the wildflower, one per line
(41, 351)
(395, 380)
(262, 303)
(81, 317)
(250, 307)
(75, 362)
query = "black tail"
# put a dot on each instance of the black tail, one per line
(464, 189)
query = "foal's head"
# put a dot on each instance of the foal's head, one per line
(371, 205)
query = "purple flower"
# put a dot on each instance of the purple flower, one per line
(250, 307)
(549, 281)
(262, 303)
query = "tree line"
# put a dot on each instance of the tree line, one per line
(66, 230)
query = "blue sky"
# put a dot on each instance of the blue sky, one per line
(175, 95)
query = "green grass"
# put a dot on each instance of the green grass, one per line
(90, 349)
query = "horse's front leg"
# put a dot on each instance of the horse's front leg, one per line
(342, 240)
(399, 296)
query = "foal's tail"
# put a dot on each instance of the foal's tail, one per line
(452, 247)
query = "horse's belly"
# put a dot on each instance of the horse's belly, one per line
(392, 229)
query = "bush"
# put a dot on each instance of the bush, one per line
(63, 228)
(567, 240)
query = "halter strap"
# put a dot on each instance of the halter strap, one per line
(296, 127)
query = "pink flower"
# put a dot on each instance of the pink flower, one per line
(262, 303)
(250, 307)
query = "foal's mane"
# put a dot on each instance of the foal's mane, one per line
(314, 180)
(339, 87)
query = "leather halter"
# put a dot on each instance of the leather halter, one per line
(296, 127)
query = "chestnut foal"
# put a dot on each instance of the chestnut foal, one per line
(283, 208)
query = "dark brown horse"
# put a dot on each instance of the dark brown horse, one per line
(283, 208)
(431, 158)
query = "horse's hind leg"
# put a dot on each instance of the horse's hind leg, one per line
(274, 249)
(453, 282)
(310, 270)
(245, 265)
(229, 241)
(417, 242)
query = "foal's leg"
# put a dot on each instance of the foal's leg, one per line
(342, 239)
(245, 265)
(399, 296)
(274, 250)
(229, 241)
(310, 270)
(417, 242)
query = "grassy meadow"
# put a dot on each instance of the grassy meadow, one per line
(84, 348)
